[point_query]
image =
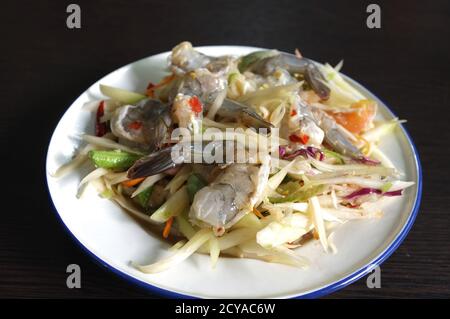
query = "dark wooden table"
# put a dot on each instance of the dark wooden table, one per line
(45, 66)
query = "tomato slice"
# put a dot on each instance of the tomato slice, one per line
(359, 118)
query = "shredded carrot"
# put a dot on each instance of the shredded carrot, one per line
(315, 234)
(167, 227)
(166, 80)
(257, 213)
(132, 182)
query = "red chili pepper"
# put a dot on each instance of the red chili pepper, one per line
(195, 104)
(304, 138)
(100, 127)
(299, 139)
(294, 138)
(293, 112)
(136, 125)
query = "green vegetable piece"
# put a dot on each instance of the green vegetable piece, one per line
(194, 184)
(116, 160)
(184, 226)
(288, 188)
(253, 57)
(300, 195)
(174, 206)
(107, 194)
(335, 155)
(386, 187)
(288, 178)
(144, 196)
(121, 95)
(232, 76)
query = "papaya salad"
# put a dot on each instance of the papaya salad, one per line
(323, 166)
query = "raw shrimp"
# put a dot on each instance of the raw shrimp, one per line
(267, 62)
(210, 89)
(232, 195)
(187, 112)
(185, 58)
(145, 124)
(202, 83)
(311, 125)
(301, 125)
(334, 135)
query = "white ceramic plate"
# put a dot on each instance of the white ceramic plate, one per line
(108, 234)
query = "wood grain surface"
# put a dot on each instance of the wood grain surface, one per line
(45, 66)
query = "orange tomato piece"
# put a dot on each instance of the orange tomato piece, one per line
(359, 118)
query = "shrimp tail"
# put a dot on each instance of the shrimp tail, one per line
(175, 155)
(245, 113)
(153, 164)
(316, 80)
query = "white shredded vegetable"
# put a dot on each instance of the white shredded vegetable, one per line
(277, 115)
(178, 180)
(216, 104)
(93, 175)
(343, 213)
(379, 155)
(116, 178)
(148, 181)
(76, 162)
(342, 94)
(374, 134)
(315, 211)
(287, 230)
(124, 203)
(300, 207)
(107, 143)
(251, 249)
(360, 181)
(177, 245)
(236, 237)
(174, 206)
(276, 180)
(121, 95)
(210, 123)
(214, 251)
(248, 221)
(363, 171)
(201, 237)
(331, 244)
